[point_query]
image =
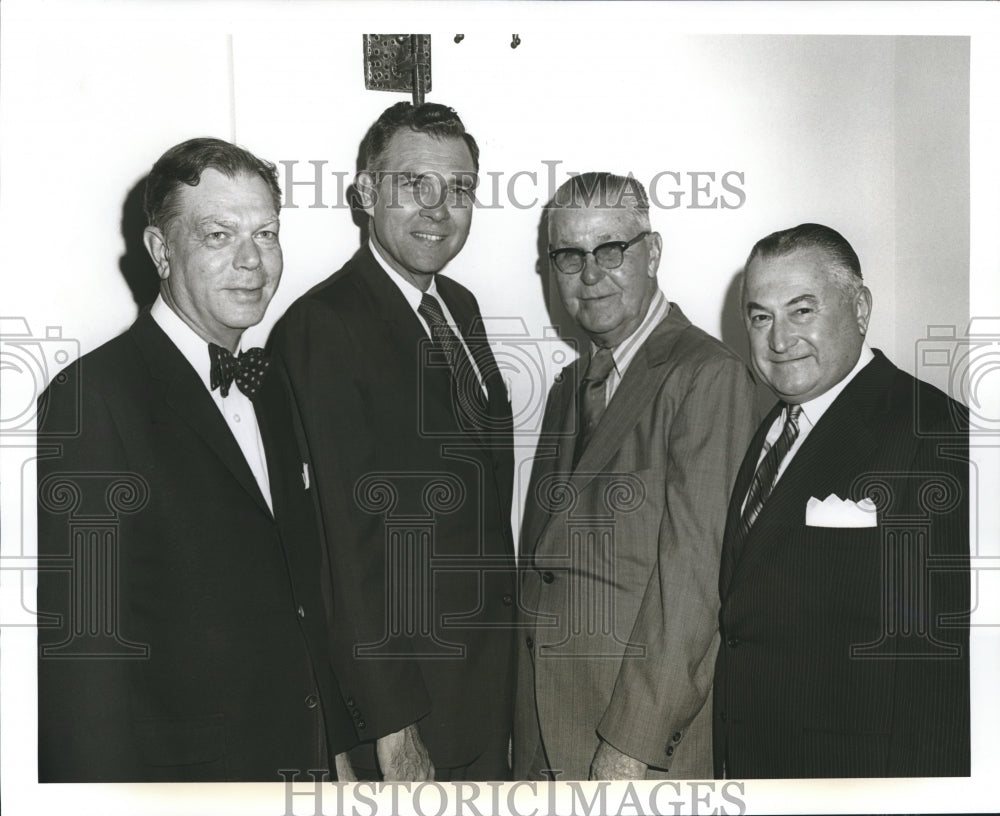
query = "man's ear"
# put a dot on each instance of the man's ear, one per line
(156, 246)
(863, 309)
(364, 183)
(655, 249)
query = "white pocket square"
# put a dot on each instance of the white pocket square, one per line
(835, 512)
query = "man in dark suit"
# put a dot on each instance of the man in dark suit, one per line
(625, 511)
(409, 424)
(844, 579)
(183, 630)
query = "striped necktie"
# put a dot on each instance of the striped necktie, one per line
(592, 399)
(767, 470)
(471, 403)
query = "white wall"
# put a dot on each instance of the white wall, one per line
(931, 182)
(868, 134)
(830, 129)
(818, 128)
(812, 140)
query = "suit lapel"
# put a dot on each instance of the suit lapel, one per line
(388, 303)
(272, 406)
(470, 326)
(743, 479)
(837, 450)
(642, 380)
(553, 455)
(405, 332)
(640, 384)
(474, 335)
(185, 394)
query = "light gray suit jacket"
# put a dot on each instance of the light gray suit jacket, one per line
(620, 561)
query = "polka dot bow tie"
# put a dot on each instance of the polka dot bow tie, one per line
(247, 370)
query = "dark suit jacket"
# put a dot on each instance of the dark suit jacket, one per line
(183, 634)
(845, 650)
(620, 560)
(417, 511)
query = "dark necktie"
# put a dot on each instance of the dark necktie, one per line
(247, 370)
(592, 399)
(767, 470)
(468, 391)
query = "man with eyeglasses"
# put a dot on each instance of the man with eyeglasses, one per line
(623, 525)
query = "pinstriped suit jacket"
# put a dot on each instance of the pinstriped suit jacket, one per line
(845, 651)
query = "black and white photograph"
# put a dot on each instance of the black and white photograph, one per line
(511, 407)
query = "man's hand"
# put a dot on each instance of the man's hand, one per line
(403, 757)
(345, 771)
(610, 763)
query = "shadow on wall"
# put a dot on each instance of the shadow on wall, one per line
(358, 214)
(734, 335)
(135, 265)
(568, 329)
(732, 328)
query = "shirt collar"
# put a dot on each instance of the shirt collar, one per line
(623, 353)
(412, 294)
(188, 341)
(817, 406)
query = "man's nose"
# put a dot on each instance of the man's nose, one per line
(592, 271)
(247, 254)
(435, 206)
(780, 338)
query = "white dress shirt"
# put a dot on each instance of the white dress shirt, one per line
(413, 296)
(625, 351)
(237, 409)
(811, 413)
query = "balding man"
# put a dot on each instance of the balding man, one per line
(625, 512)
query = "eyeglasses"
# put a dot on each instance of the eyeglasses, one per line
(572, 260)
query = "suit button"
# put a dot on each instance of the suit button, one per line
(312, 701)
(507, 600)
(676, 737)
(301, 611)
(733, 642)
(362, 724)
(548, 577)
(350, 702)
(670, 750)
(530, 643)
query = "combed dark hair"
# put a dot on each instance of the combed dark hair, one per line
(435, 120)
(184, 163)
(844, 263)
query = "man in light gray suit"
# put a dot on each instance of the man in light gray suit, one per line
(623, 523)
